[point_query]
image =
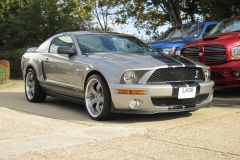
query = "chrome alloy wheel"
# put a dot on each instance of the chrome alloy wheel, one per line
(30, 85)
(94, 97)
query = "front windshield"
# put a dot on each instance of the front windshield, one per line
(90, 43)
(228, 25)
(183, 31)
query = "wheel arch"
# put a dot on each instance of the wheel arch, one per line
(92, 73)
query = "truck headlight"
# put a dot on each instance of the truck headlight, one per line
(235, 51)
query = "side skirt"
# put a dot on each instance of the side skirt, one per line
(67, 98)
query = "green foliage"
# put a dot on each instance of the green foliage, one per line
(152, 14)
(2, 74)
(29, 22)
(6, 64)
(14, 58)
(219, 9)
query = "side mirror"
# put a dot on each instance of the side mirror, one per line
(65, 50)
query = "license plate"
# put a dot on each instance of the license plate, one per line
(186, 92)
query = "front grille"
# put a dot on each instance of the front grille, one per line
(211, 53)
(190, 50)
(214, 53)
(214, 49)
(175, 101)
(215, 58)
(176, 75)
(216, 75)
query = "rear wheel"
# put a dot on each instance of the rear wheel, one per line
(33, 91)
(98, 98)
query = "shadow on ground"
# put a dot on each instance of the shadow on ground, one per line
(64, 110)
(227, 93)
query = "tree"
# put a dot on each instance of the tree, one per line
(152, 14)
(219, 9)
(104, 13)
(29, 22)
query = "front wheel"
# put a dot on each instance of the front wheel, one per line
(98, 98)
(33, 90)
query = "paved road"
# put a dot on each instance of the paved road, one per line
(58, 129)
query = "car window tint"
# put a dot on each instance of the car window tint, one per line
(111, 43)
(60, 41)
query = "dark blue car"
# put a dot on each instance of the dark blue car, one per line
(173, 39)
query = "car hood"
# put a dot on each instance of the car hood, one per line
(219, 38)
(146, 61)
(170, 43)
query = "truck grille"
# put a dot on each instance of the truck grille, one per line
(191, 52)
(176, 75)
(175, 101)
(211, 53)
(214, 53)
(214, 49)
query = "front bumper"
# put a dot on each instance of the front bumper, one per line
(157, 91)
(222, 74)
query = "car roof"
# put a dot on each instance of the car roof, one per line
(97, 32)
(205, 22)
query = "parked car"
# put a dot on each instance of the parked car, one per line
(114, 73)
(220, 50)
(173, 39)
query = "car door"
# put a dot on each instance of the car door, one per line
(58, 68)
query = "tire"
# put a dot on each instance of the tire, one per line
(33, 91)
(98, 98)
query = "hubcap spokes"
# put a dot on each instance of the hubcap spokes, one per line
(30, 85)
(94, 97)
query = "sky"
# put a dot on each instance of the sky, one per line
(130, 29)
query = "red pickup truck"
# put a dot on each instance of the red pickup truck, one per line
(220, 50)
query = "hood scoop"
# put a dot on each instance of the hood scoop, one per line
(210, 38)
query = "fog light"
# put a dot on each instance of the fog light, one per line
(235, 74)
(135, 104)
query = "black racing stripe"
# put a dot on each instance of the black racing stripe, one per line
(195, 84)
(168, 61)
(175, 87)
(183, 60)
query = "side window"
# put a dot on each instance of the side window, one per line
(208, 29)
(60, 41)
(43, 47)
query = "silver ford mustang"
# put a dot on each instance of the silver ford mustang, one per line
(114, 73)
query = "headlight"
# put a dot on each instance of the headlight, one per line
(167, 50)
(132, 76)
(235, 53)
(128, 77)
(207, 73)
